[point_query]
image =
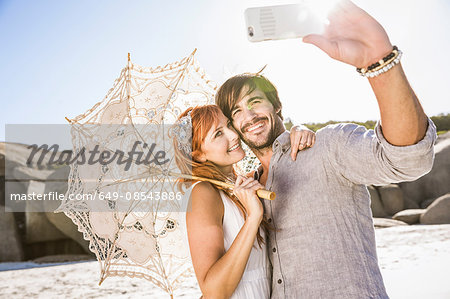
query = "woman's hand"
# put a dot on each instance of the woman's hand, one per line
(301, 138)
(245, 190)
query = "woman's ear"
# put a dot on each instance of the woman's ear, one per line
(199, 157)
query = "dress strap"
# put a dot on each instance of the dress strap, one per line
(193, 185)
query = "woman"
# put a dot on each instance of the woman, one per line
(226, 231)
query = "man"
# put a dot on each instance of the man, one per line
(324, 243)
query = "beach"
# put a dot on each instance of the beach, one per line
(414, 261)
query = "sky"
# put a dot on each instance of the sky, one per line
(59, 58)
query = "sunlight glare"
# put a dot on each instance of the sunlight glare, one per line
(321, 7)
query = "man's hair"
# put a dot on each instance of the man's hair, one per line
(228, 94)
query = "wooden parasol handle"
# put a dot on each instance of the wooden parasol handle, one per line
(262, 193)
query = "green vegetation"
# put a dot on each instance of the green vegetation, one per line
(442, 122)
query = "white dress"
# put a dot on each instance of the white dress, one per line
(256, 279)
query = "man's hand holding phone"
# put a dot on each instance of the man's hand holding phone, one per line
(351, 35)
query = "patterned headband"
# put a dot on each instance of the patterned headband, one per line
(182, 131)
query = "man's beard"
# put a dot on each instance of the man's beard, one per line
(276, 129)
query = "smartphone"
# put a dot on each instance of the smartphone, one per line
(281, 22)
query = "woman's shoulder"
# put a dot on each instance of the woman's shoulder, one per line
(205, 196)
(204, 188)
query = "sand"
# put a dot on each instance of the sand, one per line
(414, 260)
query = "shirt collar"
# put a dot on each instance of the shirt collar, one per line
(283, 142)
(258, 173)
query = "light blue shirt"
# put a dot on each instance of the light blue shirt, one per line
(324, 246)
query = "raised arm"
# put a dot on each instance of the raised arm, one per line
(354, 37)
(365, 157)
(219, 272)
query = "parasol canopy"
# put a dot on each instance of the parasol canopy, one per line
(131, 212)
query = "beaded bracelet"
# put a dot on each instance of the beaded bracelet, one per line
(383, 65)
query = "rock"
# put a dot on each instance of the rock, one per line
(16, 157)
(375, 203)
(411, 216)
(56, 247)
(437, 182)
(17, 154)
(11, 188)
(63, 258)
(29, 173)
(426, 203)
(384, 222)
(409, 204)
(2, 191)
(10, 245)
(392, 198)
(43, 233)
(2, 165)
(438, 212)
(13, 163)
(17, 174)
(57, 182)
(38, 227)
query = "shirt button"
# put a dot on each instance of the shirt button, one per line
(274, 249)
(279, 281)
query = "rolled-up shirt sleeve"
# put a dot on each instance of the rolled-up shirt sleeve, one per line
(365, 157)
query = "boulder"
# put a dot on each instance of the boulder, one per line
(2, 164)
(43, 233)
(25, 173)
(13, 187)
(411, 216)
(375, 203)
(38, 227)
(392, 198)
(436, 182)
(427, 202)
(56, 247)
(438, 212)
(409, 204)
(57, 182)
(13, 155)
(63, 258)
(17, 174)
(385, 222)
(17, 154)
(13, 163)
(10, 245)
(2, 191)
